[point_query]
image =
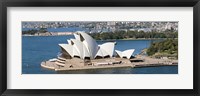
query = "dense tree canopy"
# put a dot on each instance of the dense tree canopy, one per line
(167, 47)
(133, 35)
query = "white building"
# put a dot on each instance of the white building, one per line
(85, 47)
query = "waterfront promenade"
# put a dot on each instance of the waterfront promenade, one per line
(139, 61)
(146, 61)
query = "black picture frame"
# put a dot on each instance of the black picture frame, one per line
(100, 3)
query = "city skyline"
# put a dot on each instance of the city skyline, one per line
(105, 26)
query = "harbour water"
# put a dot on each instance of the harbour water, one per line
(36, 49)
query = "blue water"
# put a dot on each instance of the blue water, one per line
(37, 49)
(147, 70)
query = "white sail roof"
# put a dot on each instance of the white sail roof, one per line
(126, 53)
(119, 53)
(77, 36)
(68, 48)
(78, 45)
(69, 42)
(82, 50)
(102, 53)
(75, 52)
(108, 47)
(85, 46)
(90, 43)
(85, 52)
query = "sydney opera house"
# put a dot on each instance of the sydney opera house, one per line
(84, 52)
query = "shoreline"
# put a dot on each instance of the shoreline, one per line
(137, 62)
(154, 65)
(111, 66)
(97, 40)
(135, 39)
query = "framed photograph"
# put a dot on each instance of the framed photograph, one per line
(74, 47)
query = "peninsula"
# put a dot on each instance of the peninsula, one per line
(83, 52)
